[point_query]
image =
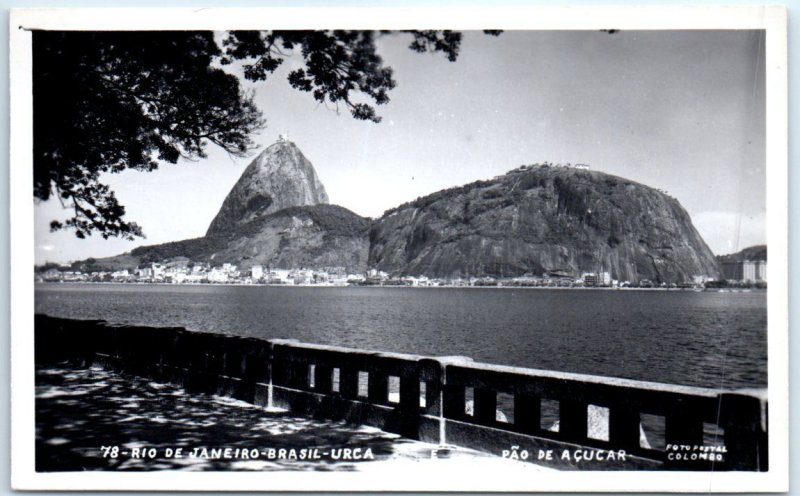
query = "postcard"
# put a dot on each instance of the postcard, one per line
(400, 249)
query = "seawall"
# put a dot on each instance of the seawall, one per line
(354, 385)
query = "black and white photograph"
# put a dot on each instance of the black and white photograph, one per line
(398, 249)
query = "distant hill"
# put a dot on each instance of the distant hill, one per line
(753, 253)
(543, 219)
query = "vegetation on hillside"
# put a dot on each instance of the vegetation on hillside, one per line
(332, 219)
(757, 252)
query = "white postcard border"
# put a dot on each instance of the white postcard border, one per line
(773, 19)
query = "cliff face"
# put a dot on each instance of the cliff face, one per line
(543, 220)
(309, 237)
(278, 178)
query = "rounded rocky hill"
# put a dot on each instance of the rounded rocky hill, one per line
(539, 220)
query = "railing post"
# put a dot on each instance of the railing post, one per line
(290, 374)
(485, 406)
(255, 366)
(433, 397)
(409, 392)
(348, 382)
(323, 379)
(527, 413)
(378, 388)
(572, 420)
(623, 428)
(454, 399)
(683, 428)
(744, 419)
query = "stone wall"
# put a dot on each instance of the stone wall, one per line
(426, 398)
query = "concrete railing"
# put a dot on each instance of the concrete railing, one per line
(561, 419)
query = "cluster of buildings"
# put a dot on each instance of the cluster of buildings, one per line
(186, 272)
(523, 168)
(550, 164)
(748, 271)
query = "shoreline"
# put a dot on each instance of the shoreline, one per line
(332, 286)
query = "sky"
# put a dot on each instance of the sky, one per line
(681, 111)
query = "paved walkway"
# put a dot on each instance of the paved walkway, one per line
(81, 411)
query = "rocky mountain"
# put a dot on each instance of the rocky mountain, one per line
(533, 220)
(543, 219)
(276, 215)
(280, 177)
(753, 253)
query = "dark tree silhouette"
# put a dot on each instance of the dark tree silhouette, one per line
(109, 101)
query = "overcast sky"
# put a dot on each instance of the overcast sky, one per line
(682, 111)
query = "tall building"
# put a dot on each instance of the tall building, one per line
(596, 278)
(745, 270)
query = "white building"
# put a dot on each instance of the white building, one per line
(302, 276)
(146, 272)
(217, 275)
(746, 270)
(278, 276)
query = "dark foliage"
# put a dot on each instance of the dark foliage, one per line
(444, 194)
(109, 101)
(757, 252)
(492, 194)
(46, 266)
(530, 181)
(332, 219)
(341, 67)
(106, 102)
(194, 249)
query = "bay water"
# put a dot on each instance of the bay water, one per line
(708, 339)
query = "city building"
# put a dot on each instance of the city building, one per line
(745, 270)
(217, 275)
(596, 279)
(302, 276)
(158, 271)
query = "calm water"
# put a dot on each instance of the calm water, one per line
(702, 339)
